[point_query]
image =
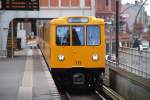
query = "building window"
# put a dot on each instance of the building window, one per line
(43, 3)
(122, 28)
(107, 2)
(53, 3)
(87, 3)
(75, 3)
(65, 3)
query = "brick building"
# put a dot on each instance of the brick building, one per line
(106, 9)
(137, 25)
(64, 3)
(48, 9)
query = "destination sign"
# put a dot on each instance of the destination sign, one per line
(78, 20)
(20, 4)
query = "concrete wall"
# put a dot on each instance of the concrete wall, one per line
(128, 85)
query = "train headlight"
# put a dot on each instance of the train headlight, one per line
(61, 57)
(95, 57)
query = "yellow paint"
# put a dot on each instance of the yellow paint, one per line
(75, 56)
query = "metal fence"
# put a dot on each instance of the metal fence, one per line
(134, 61)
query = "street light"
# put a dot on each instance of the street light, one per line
(133, 33)
(1, 38)
(109, 23)
(117, 30)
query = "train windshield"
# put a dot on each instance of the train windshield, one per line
(63, 35)
(77, 36)
(93, 35)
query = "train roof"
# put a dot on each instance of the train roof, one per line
(66, 20)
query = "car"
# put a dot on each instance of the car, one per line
(145, 47)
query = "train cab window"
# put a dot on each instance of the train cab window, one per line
(77, 36)
(93, 35)
(63, 36)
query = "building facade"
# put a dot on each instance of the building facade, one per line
(106, 9)
(64, 3)
(127, 22)
(136, 21)
(48, 9)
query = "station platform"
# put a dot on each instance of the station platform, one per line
(26, 77)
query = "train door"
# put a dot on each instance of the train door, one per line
(77, 43)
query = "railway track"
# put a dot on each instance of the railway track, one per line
(105, 94)
(90, 96)
(111, 94)
(101, 96)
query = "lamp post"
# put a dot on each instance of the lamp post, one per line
(1, 34)
(109, 23)
(117, 31)
(134, 35)
(1, 42)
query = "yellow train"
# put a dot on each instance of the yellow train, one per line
(74, 48)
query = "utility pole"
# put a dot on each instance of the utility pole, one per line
(117, 31)
(110, 24)
(1, 41)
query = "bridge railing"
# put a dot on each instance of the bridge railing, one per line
(134, 61)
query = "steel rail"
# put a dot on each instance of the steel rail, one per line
(112, 94)
(102, 97)
(68, 96)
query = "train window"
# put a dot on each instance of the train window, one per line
(93, 35)
(63, 35)
(77, 35)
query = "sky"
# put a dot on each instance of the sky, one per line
(147, 7)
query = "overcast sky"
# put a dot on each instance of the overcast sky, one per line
(147, 7)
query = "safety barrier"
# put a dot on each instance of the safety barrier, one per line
(134, 61)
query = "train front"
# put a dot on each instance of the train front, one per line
(78, 52)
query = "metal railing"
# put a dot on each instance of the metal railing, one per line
(134, 61)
